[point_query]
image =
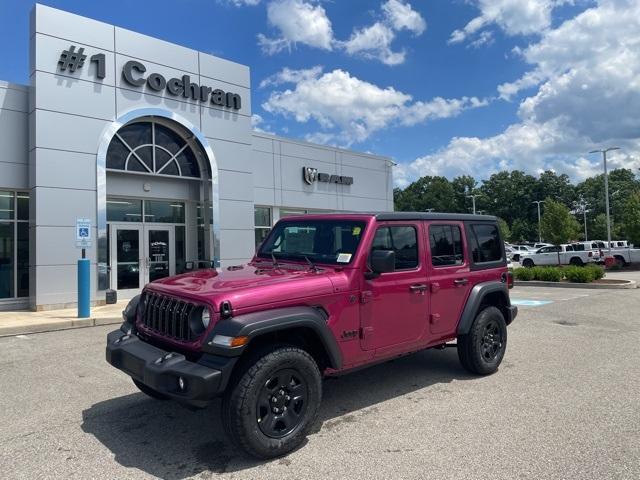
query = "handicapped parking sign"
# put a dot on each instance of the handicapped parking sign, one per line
(83, 232)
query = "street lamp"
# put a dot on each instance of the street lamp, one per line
(473, 198)
(539, 231)
(606, 191)
(583, 206)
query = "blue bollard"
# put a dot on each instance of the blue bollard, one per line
(84, 288)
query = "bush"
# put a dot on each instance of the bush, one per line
(580, 274)
(548, 274)
(523, 274)
(596, 270)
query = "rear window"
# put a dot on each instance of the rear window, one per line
(445, 242)
(485, 243)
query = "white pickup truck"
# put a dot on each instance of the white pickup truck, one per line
(620, 250)
(559, 255)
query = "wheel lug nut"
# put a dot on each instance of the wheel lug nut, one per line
(281, 392)
(274, 399)
(284, 409)
(287, 398)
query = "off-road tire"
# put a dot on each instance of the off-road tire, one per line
(472, 346)
(241, 409)
(527, 263)
(150, 391)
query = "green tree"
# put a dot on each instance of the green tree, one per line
(505, 232)
(631, 218)
(462, 185)
(508, 195)
(557, 224)
(598, 229)
(426, 193)
(558, 187)
(523, 231)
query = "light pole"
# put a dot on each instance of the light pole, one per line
(539, 231)
(606, 191)
(473, 198)
(583, 206)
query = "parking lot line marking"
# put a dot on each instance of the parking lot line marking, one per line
(529, 303)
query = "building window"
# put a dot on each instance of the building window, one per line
(262, 220)
(14, 244)
(150, 147)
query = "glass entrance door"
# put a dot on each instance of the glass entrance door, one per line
(159, 252)
(126, 259)
(139, 255)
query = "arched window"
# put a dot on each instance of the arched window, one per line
(151, 147)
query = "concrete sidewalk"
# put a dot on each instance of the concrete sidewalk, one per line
(24, 322)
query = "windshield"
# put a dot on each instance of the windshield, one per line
(320, 241)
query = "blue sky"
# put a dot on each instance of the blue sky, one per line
(442, 87)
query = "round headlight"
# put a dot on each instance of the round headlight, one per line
(206, 317)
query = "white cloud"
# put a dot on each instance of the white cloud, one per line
(297, 22)
(586, 75)
(242, 3)
(288, 75)
(258, 124)
(349, 110)
(374, 42)
(402, 16)
(514, 17)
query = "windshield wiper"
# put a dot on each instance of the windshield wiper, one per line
(312, 265)
(275, 262)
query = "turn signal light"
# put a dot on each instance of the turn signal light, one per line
(232, 342)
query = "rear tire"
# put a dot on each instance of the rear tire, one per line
(527, 263)
(481, 350)
(620, 261)
(576, 261)
(150, 391)
(273, 403)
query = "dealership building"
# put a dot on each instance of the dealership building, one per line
(141, 153)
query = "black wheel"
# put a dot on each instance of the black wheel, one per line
(482, 349)
(576, 261)
(620, 261)
(149, 391)
(271, 406)
(527, 262)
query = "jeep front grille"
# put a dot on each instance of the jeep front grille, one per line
(168, 316)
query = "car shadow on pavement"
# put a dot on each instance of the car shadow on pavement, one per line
(168, 441)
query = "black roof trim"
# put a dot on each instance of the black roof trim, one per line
(388, 216)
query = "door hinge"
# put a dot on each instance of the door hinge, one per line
(434, 318)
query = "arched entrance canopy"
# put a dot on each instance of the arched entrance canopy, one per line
(164, 163)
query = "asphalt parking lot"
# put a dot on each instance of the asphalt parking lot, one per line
(564, 404)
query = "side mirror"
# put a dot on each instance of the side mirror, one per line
(381, 261)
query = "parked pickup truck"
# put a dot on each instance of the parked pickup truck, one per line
(324, 295)
(620, 251)
(559, 255)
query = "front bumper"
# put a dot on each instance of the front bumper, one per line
(160, 370)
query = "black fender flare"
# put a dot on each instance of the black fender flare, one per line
(478, 293)
(256, 324)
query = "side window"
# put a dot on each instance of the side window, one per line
(485, 244)
(403, 241)
(445, 242)
(569, 248)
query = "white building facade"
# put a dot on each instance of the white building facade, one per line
(149, 144)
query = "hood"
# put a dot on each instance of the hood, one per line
(247, 285)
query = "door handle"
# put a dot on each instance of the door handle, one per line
(420, 288)
(461, 281)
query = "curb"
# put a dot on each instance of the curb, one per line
(591, 286)
(44, 327)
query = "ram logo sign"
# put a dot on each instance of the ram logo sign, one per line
(310, 175)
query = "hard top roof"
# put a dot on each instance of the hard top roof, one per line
(391, 216)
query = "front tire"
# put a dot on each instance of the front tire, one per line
(149, 391)
(481, 350)
(576, 262)
(527, 263)
(273, 404)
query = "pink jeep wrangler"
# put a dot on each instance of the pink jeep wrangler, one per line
(324, 294)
